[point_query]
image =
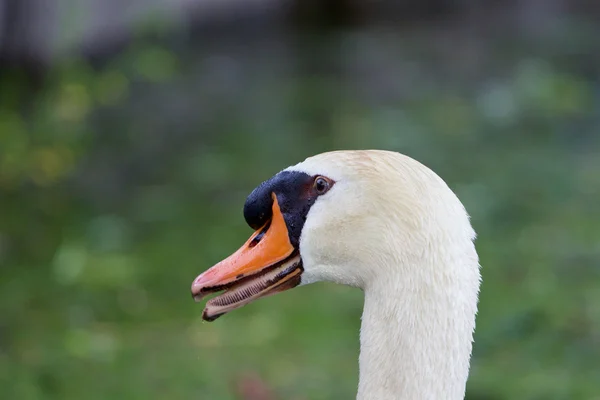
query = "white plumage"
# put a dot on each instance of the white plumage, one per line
(393, 228)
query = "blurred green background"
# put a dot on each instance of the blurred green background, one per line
(124, 169)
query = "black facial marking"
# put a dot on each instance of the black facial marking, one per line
(295, 195)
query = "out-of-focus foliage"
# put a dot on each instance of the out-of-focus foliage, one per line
(120, 183)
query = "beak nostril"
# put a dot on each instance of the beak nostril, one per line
(256, 240)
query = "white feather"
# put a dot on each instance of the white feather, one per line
(393, 228)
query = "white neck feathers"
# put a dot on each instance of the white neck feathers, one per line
(392, 227)
(417, 331)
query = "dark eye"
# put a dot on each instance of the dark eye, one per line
(321, 185)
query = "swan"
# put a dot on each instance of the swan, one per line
(382, 222)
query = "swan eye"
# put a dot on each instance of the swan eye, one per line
(321, 185)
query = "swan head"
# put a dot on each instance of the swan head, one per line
(359, 218)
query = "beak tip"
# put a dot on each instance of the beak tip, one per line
(210, 318)
(197, 297)
(197, 290)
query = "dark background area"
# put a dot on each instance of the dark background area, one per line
(132, 131)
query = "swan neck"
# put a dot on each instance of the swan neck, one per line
(415, 343)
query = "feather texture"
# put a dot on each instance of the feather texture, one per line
(393, 228)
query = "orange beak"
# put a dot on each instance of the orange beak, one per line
(266, 264)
